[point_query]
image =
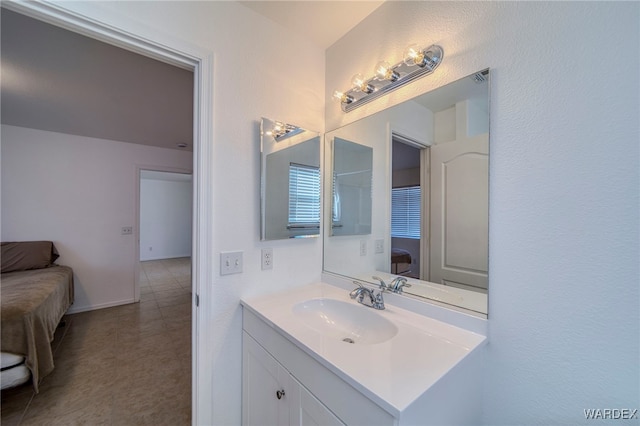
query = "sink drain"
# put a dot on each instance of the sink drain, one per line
(348, 340)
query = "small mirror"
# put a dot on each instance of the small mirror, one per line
(290, 181)
(351, 200)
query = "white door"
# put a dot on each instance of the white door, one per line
(312, 412)
(460, 212)
(266, 387)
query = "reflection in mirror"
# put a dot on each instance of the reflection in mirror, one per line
(290, 181)
(429, 220)
(351, 198)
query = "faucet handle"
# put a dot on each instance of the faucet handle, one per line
(383, 285)
(354, 293)
(398, 283)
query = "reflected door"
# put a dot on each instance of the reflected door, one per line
(460, 212)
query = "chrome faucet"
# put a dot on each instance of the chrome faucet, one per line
(398, 283)
(367, 297)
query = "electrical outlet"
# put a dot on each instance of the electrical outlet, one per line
(127, 230)
(379, 246)
(363, 247)
(267, 258)
(230, 262)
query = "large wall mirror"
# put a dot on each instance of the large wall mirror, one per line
(429, 203)
(290, 181)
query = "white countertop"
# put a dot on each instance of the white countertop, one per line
(393, 373)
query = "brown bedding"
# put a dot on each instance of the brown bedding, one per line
(33, 302)
(400, 256)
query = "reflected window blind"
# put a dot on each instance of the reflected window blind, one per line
(405, 212)
(304, 195)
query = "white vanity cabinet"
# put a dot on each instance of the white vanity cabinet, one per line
(271, 363)
(426, 373)
(272, 396)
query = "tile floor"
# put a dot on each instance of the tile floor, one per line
(126, 365)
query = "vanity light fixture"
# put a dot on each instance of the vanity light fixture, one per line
(281, 131)
(416, 63)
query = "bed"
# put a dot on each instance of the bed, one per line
(400, 261)
(36, 293)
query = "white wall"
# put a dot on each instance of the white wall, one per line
(79, 192)
(563, 307)
(257, 66)
(165, 216)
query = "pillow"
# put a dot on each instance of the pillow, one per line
(25, 255)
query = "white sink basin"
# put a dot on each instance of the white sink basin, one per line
(345, 321)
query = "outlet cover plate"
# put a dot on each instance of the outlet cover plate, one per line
(230, 262)
(267, 258)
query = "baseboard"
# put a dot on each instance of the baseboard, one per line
(78, 309)
(165, 257)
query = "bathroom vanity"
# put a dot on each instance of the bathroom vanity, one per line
(311, 355)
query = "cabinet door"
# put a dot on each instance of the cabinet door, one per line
(263, 377)
(311, 412)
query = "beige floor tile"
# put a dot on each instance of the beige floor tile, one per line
(134, 319)
(145, 289)
(58, 400)
(181, 299)
(14, 403)
(146, 329)
(155, 402)
(182, 324)
(174, 285)
(162, 294)
(176, 312)
(149, 346)
(98, 412)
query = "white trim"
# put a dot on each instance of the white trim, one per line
(152, 43)
(174, 256)
(425, 235)
(73, 310)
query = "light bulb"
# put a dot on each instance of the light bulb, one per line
(342, 97)
(413, 55)
(359, 83)
(384, 72)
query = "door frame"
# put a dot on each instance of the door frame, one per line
(157, 45)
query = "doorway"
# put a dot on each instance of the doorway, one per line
(161, 47)
(409, 208)
(165, 229)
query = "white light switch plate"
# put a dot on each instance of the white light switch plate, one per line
(379, 246)
(363, 247)
(230, 262)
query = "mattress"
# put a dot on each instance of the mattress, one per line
(14, 376)
(8, 360)
(13, 372)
